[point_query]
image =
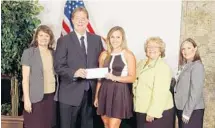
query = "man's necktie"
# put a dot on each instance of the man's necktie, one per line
(83, 48)
(83, 45)
(85, 57)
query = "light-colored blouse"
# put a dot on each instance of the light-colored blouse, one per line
(48, 71)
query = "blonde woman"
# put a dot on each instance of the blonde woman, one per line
(153, 102)
(113, 97)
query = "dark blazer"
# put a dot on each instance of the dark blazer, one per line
(31, 57)
(188, 94)
(68, 59)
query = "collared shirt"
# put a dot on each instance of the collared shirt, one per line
(85, 39)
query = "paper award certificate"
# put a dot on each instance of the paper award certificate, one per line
(94, 73)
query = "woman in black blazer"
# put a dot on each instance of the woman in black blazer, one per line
(38, 80)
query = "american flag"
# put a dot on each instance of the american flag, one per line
(68, 9)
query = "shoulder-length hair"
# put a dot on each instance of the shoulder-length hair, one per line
(182, 60)
(46, 29)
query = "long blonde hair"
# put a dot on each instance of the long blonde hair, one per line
(109, 47)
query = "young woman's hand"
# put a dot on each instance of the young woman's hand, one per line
(96, 102)
(110, 76)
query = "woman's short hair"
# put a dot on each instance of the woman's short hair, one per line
(182, 60)
(45, 29)
(158, 41)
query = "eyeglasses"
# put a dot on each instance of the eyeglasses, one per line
(152, 47)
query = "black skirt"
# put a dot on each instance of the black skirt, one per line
(167, 121)
(42, 113)
(196, 119)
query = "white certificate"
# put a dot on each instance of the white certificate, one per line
(93, 73)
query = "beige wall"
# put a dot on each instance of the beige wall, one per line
(198, 22)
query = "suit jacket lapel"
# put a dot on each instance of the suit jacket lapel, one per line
(140, 68)
(89, 48)
(149, 66)
(184, 70)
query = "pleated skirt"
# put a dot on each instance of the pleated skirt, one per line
(115, 100)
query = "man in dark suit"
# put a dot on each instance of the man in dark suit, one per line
(75, 52)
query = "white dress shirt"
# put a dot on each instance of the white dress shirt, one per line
(85, 39)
